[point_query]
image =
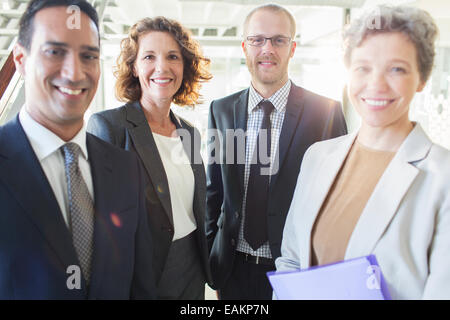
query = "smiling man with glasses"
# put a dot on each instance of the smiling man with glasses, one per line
(246, 208)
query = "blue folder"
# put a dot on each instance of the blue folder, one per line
(355, 279)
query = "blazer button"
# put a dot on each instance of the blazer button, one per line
(236, 214)
(168, 229)
(233, 242)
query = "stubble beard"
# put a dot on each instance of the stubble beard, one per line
(266, 79)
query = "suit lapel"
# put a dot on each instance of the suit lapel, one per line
(324, 178)
(388, 194)
(146, 147)
(294, 109)
(21, 171)
(101, 170)
(240, 123)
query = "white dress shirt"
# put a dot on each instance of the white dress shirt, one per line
(46, 145)
(181, 184)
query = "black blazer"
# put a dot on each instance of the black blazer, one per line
(127, 128)
(309, 118)
(35, 244)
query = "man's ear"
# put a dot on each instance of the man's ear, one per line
(243, 47)
(20, 57)
(294, 46)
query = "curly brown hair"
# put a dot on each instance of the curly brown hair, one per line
(195, 69)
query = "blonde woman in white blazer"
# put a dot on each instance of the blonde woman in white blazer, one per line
(403, 214)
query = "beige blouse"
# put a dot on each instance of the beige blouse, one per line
(345, 202)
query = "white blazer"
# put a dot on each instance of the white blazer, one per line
(405, 223)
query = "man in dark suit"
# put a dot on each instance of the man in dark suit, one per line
(73, 222)
(248, 198)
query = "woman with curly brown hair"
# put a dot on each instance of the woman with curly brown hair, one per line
(160, 64)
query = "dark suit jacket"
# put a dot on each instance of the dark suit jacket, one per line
(309, 118)
(35, 244)
(127, 128)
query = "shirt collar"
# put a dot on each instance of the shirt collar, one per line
(43, 141)
(278, 99)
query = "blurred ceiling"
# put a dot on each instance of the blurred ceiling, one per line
(213, 22)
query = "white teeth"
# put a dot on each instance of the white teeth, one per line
(69, 91)
(378, 103)
(161, 80)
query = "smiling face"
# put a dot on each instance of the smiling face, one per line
(383, 78)
(159, 67)
(61, 69)
(268, 65)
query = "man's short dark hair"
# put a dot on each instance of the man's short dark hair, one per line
(26, 28)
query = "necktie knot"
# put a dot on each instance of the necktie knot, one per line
(267, 107)
(71, 152)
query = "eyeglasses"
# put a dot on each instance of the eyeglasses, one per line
(277, 41)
